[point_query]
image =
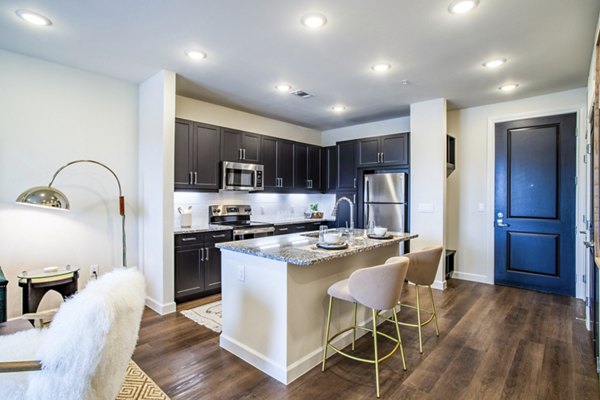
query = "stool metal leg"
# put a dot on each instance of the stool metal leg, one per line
(437, 329)
(326, 342)
(419, 319)
(354, 330)
(399, 337)
(376, 352)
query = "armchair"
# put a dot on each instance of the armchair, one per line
(85, 351)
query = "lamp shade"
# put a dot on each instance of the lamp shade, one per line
(44, 196)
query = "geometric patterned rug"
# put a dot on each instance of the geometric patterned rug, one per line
(139, 386)
(209, 315)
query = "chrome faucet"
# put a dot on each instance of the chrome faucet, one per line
(337, 203)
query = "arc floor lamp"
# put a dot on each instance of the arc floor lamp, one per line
(48, 196)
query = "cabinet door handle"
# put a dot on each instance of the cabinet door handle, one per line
(354, 198)
(189, 239)
(218, 236)
(195, 178)
(202, 254)
(191, 177)
(281, 185)
(244, 154)
(300, 227)
(283, 229)
(240, 154)
(354, 183)
(206, 250)
(382, 158)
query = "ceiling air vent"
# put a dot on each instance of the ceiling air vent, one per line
(302, 94)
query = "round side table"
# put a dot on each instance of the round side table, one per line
(35, 284)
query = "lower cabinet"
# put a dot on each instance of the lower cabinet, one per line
(198, 264)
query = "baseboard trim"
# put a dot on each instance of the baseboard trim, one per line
(162, 309)
(283, 374)
(439, 285)
(466, 276)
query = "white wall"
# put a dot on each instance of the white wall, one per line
(156, 170)
(51, 115)
(378, 128)
(428, 177)
(474, 174)
(201, 111)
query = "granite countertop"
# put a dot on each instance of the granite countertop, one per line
(300, 249)
(202, 228)
(298, 220)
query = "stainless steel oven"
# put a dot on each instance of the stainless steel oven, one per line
(238, 218)
(242, 176)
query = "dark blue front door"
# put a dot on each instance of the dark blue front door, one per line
(534, 234)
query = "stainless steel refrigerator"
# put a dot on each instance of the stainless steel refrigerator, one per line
(385, 200)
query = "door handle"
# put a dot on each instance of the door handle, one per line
(206, 249)
(589, 245)
(501, 224)
(202, 254)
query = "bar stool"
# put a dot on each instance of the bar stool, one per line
(423, 268)
(377, 288)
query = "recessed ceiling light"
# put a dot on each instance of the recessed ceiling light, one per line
(314, 20)
(338, 108)
(381, 67)
(283, 87)
(33, 17)
(195, 54)
(462, 6)
(508, 87)
(494, 63)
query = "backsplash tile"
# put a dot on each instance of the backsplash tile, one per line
(265, 206)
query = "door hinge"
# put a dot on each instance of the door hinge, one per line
(587, 302)
(588, 148)
(598, 364)
(585, 158)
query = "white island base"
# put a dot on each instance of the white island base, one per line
(274, 312)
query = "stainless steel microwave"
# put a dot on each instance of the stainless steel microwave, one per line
(242, 176)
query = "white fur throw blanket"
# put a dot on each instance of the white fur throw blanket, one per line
(86, 349)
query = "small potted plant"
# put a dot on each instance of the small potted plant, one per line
(316, 214)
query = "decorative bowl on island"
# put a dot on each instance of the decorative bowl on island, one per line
(379, 231)
(332, 237)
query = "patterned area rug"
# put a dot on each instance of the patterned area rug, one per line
(139, 386)
(208, 315)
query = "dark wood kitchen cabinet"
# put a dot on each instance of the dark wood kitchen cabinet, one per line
(278, 161)
(307, 167)
(196, 155)
(198, 264)
(383, 150)
(299, 227)
(240, 146)
(346, 165)
(329, 169)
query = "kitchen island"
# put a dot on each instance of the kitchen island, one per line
(274, 292)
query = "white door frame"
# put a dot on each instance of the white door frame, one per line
(580, 195)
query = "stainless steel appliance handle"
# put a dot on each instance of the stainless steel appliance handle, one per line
(241, 232)
(202, 254)
(206, 249)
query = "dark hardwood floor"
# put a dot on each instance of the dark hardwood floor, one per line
(495, 343)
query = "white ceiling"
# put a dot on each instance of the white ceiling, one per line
(253, 45)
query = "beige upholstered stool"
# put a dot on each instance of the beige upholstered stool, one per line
(377, 288)
(423, 268)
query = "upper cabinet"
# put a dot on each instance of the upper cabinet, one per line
(329, 174)
(383, 150)
(196, 155)
(307, 167)
(278, 161)
(346, 165)
(240, 146)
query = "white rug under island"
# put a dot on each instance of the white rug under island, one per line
(274, 297)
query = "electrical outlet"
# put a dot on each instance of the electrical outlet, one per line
(241, 273)
(94, 271)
